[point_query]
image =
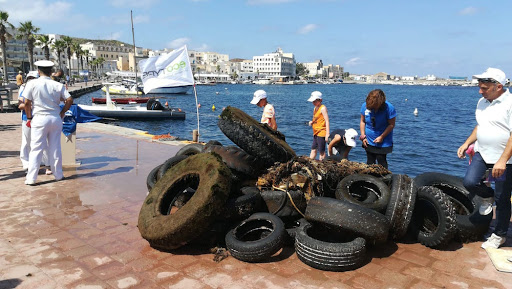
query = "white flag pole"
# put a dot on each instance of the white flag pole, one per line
(197, 111)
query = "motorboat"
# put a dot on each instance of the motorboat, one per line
(264, 80)
(120, 100)
(171, 90)
(126, 87)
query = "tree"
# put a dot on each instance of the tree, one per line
(234, 76)
(59, 46)
(301, 70)
(45, 42)
(27, 31)
(86, 55)
(78, 52)
(4, 37)
(69, 44)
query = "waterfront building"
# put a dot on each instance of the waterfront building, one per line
(277, 65)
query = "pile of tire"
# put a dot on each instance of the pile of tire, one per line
(206, 195)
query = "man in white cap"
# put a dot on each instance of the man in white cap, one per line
(269, 115)
(45, 120)
(493, 150)
(342, 141)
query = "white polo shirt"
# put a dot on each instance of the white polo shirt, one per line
(494, 120)
(45, 95)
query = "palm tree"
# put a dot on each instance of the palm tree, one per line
(100, 61)
(59, 46)
(27, 31)
(69, 43)
(4, 37)
(86, 55)
(45, 42)
(78, 52)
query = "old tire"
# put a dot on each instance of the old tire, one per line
(279, 203)
(237, 159)
(401, 205)
(190, 149)
(258, 140)
(169, 163)
(243, 206)
(356, 219)
(152, 177)
(433, 221)
(365, 190)
(209, 177)
(471, 226)
(257, 238)
(325, 249)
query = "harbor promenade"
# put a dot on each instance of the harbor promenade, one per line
(81, 232)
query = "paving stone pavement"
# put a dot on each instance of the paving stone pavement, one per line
(81, 232)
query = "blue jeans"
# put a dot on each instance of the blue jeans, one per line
(473, 183)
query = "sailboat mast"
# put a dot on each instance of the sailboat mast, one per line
(134, 49)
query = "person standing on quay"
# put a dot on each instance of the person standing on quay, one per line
(320, 125)
(45, 120)
(269, 115)
(19, 79)
(493, 149)
(378, 118)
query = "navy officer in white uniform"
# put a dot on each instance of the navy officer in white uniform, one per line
(44, 116)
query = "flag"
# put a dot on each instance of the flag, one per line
(167, 70)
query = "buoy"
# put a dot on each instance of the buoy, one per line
(199, 105)
(217, 92)
(415, 111)
(166, 104)
(225, 88)
(406, 99)
(213, 107)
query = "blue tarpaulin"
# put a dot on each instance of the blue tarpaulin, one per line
(76, 115)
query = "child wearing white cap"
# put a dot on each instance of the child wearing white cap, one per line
(342, 141)
(320, 125)
(269, 115)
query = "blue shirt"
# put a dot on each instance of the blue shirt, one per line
(377, 122)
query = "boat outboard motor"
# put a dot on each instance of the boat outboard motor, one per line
(154, 104)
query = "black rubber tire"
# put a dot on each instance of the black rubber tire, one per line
(237, 159)
(279, 204)
(169, 163)
(152, 177)
(433, 222)
(471, 226)
(401, 205)
(242, 207)
(256, 139)
(365, 190)
(337, 253)
(257, 238)
(348, 216)
(291, 230)
(209, 177)
(190, 149)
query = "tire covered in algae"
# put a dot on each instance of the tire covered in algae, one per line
(253, 137)
(165, 229)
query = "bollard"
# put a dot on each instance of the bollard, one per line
(195, 135)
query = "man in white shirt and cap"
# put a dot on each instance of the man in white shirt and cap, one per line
(493, 150)
(45, 120)
(269, 115)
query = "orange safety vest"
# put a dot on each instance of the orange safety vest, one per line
(318, 122)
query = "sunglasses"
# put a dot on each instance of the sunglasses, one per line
(372, 119)
(488, 80)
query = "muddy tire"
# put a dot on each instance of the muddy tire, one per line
(401, 205)
(242, 207)
(433, 221)
(279, 204)
(365, 190)
(257, 238)
(204, 173)
(471, 226)
(256, 139)
(347, 216)
(152, 177)
(237, 159)
(190, 149)
(325, 249)
(169, 163)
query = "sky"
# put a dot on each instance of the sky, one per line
(403, 38)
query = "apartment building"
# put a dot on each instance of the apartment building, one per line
(275, 65)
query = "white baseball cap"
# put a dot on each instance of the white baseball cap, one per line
(492, 73)
(44, 63)
(350, 137)
(33, 74)
(315, 95)
(258, 95)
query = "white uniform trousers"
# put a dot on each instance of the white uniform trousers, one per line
(25, 147)
(45, 134)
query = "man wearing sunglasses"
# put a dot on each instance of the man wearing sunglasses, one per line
(493, 150)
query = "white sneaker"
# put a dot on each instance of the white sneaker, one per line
(494, 241)
(486, 206)
(30, 183)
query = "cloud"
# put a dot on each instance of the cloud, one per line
(353, 61)
(113, 36)
(308, 28)
(263, 2)
(35, 10)
(176, 43)
(132, 3)
(203, 48)
(468, 11)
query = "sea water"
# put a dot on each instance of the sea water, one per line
(426, 142)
